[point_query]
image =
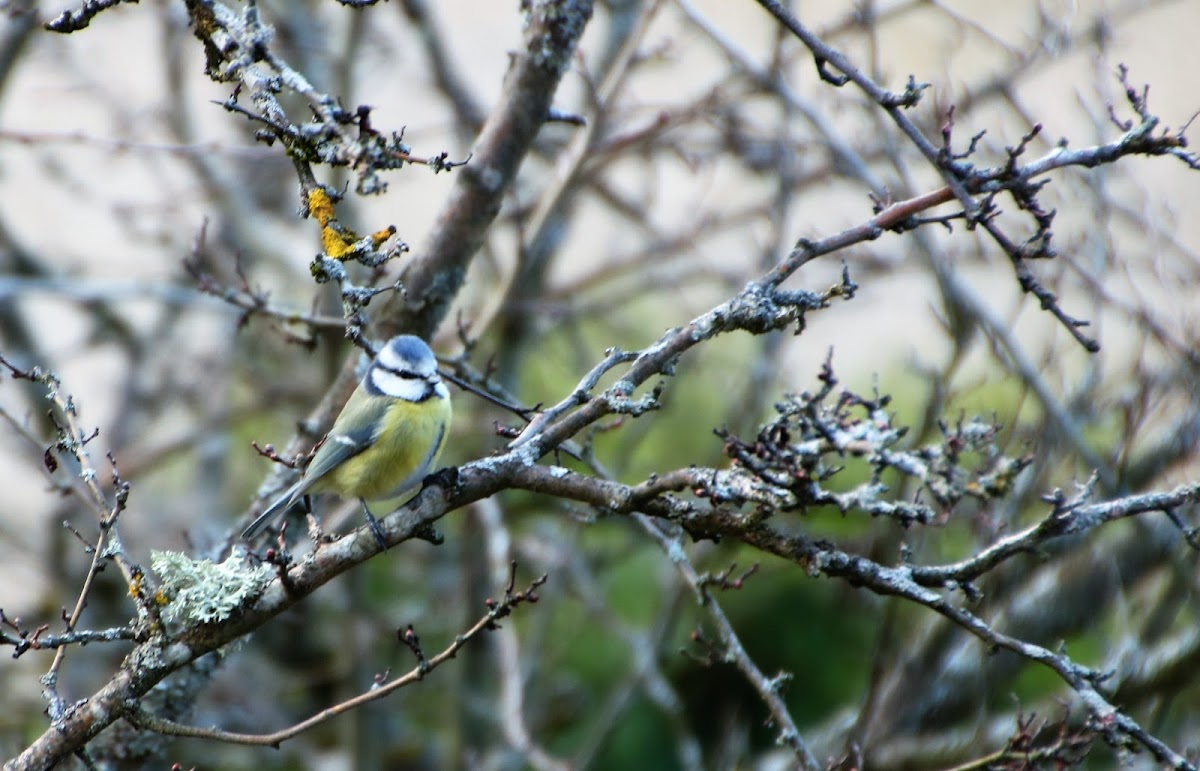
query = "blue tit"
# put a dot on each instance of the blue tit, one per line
(386, 439)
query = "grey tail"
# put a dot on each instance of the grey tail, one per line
(275, 510)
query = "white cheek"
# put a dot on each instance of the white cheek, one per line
(391, 384)
(441, 391)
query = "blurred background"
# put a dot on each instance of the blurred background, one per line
(709, 151)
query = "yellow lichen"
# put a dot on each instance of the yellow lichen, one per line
(336, 240)
(320, 206)
(135, 585)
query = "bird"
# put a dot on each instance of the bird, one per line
(386, 439)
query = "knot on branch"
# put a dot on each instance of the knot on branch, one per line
(762, 308)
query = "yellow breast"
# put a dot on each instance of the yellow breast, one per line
(405, 451)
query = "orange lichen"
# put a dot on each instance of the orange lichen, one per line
(379, 236)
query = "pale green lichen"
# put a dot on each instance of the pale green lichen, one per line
(203, 591)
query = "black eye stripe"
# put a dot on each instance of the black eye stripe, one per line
(407, 374)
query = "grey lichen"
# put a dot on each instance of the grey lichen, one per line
(203, 591)
(556, 26)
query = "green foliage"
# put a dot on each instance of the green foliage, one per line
(643, 739)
